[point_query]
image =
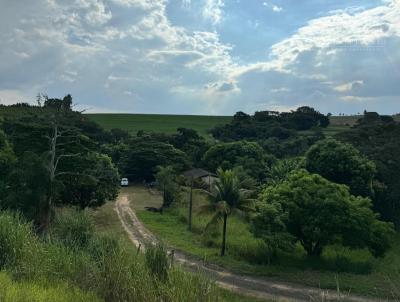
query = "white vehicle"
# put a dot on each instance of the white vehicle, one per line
(124, 182)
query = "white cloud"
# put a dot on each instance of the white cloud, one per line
(10, 96)
(213, 11)
(342, 31)
(150, 61)
(275, 8)
(349, 86)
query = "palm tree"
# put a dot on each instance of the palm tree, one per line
(227, 197)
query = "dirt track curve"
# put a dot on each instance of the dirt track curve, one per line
(245, 285)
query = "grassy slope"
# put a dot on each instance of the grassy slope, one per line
(200, 123)
(171, 227)
(106, 221)
(158, 123)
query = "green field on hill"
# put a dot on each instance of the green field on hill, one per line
(201, 123)
(158, 122)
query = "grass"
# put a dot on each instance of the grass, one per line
(158, 123)
(14, 291)
(356, 270)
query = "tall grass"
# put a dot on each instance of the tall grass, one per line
(12, 291)
(77, 257)
(157, 261)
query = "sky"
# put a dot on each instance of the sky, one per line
(212, 57)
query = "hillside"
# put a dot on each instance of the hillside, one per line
(201, 123)
(158, 123)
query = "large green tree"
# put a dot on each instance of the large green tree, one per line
(97, 182)
(167, 183)
(379, 138)
(52, 144)
(342, 163)
(249, 155)
(226, 198)
(28, 188)
(145, 154)
(7, 159)
(319, 212)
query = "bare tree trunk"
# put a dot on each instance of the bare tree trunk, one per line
(224, 236)
(190, 206)
(52, 166)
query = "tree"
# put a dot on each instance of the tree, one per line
(7, 160)
(319, 212)
(305, 118)
(380, 141)
(228, 155)
(190, 142)
(269, 225)
(226, 198)
(55, 148)
(166, 181)
(28, 187)
(145, 154)
(119, 136)
(97, 182)
(281, 169)
(343, 164)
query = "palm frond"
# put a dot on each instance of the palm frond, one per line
(223, 207)
(207, 208)
(217, 218)
(202, 191)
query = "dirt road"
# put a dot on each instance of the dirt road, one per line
(245, 285)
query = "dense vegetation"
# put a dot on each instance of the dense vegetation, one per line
(275, 176)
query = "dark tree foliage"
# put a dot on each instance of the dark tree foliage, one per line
(270, 124)
(77, 165)
(318, 212)
(186, 140)
(28, 187)
(119, 136)
(343, 164)
(249, 155)
(290, 147)
(190, 142)
(145, 154)
(65, 104)
(379, 139)
(98, 182)
(7, 159)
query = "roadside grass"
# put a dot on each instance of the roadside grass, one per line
(355, 270)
